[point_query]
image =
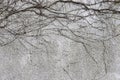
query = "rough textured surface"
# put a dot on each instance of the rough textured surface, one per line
(59, 40)
(66, 60)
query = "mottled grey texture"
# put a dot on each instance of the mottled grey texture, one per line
(66, 60)
(59, 40)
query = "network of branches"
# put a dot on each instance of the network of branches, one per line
(82, 21)
(40, 19)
